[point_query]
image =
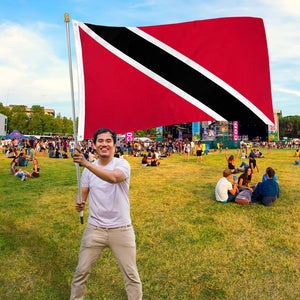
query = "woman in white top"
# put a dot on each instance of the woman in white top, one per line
(187, 149)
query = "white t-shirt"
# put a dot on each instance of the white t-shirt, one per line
(72, 145)
(108, 203)
(222, 188)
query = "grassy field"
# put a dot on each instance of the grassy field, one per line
(188, 245)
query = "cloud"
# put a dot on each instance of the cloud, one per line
(289, 7)
(31, 70)
(288, 91)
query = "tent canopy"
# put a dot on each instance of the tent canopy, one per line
(16, 134)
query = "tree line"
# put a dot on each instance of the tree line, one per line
(36, 122)
(289, 126)
(39, 123)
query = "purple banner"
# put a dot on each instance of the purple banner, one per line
(235, 131)
(129, 136)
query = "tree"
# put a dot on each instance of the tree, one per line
(35, 124)
(57, 125)
(47, 121)
(5, 111)
(19, 119)
(147, 132)
(289, 126)
(68, 126)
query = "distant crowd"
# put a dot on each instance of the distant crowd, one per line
(150, 151)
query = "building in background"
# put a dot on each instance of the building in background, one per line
(3, 125)
(273, 130)
(28, 110)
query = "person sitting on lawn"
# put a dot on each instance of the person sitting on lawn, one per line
(144, 160)
(258, 154)
(231, 162)
(36, 170)
(65, 154)
(51, 153)
(245, 180)
(226, 191)
(57, 153)
(154, 161)
(22, 161)
(243, 154)
(267, 191)
(11, 153)
(17, 172)
(252, 162)
(264, 178)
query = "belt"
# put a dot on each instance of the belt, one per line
(126, 226)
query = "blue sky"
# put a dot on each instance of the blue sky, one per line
(33, 46)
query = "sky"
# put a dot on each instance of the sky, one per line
(34, 66)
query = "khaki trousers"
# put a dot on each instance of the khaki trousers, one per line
(122, 243)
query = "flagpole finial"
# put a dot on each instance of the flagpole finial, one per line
(67, 17)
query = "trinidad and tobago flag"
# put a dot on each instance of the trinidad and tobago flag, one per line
(133, 78)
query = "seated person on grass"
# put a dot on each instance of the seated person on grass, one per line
(154, 161)
(144, 160)
(57, 153)
(226, 191)
(267, 191)
(16, 172)
(22, 161)
(259, 154)
(231, 162)
(35, 171)
(10, 153)
(51, 153)
(245, 180)
(264, 178)
(65, 154)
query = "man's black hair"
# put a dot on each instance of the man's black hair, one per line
(270, 172)
(104, 130)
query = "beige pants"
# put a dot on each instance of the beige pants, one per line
(122, 243)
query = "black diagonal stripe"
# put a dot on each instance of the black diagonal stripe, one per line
(176, 72)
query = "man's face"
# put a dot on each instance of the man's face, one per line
(105, 145)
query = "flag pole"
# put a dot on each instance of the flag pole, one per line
(67, 21)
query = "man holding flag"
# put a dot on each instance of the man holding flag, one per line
(106, 182)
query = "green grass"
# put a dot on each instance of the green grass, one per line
(188, 245)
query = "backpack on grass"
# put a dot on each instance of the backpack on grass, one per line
(244, 197)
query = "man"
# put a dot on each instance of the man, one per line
(106, 182)
(267, 191)
(225, 191)
(265, 177)
(22, 161)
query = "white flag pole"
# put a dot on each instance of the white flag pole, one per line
(67, 21)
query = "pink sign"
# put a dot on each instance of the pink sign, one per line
(235, 130)
(129, 136)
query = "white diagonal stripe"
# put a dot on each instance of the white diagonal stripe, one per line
(150, 73)
(203, 71)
